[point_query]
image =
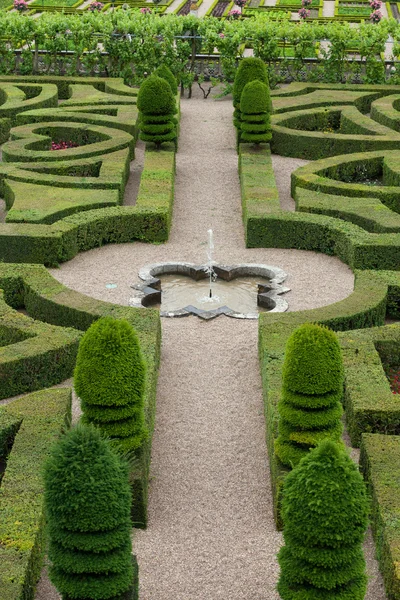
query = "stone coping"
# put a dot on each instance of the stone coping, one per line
(149, 292)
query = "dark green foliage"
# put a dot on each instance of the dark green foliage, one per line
(310, 408)
(30, 424)
(254, 108)
(165, 73)
(249, 69)
(380, 465)
(325, 515)
(157, 106)
(87, 495)
(109, 378)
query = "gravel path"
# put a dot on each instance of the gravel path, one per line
(211, 534)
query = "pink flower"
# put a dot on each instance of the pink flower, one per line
(376, 16)
(304, 13)
(221, 35)
(95, 6)
(235, 13)
(375, 4)
(63, 145)
(20, 5)
(145, 10)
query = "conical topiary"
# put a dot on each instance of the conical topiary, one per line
(310, 408)
(157, 107)
(325, 515)
(249, 69)
(109, 378)
(255, 113)
(165, 73)
(88, 501)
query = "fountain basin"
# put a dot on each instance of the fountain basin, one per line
(268, 293)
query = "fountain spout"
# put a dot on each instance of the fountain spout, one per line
(210, 263)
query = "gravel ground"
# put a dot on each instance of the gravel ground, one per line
(211, 534)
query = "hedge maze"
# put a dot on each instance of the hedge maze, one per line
(58, 204)
(347, 204)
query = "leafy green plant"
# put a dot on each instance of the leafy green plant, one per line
(165, 73)
(88, 500)
(157, 107)
(310, 408)
(325, 515)
(109, 378)
(249, 70)
(255, 113)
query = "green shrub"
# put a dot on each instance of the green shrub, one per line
(88, 500)
(157, 106)
(310, 408)
(109, 378)
(249, 69)
(165, 73)
(325, 515)
(254, 108)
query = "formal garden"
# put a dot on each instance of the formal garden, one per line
(201, 448)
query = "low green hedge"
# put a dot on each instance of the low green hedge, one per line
(63, 83)
(368, 213)
(322, 132)
(30, 424)
(5, 126)
(33, 355)
(257, 182)
(45, 299)
(380, 464)
(15, 99)
(369, 402)
(386, 111)
(365, 307)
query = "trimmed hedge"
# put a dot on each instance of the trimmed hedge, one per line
(33, 354)
(323, 132)
(312, 387)
(63, 83)
(157, 107)
(255, 104)
(365, 307)
(32, 287)
(380, 464)
(325, 511)
(16, 99)
(88, 499)
(36, 421)
(109, 378)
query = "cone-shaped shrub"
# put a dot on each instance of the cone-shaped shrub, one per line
(88, 502)
(109, 378)
(255, 114)
(165, 73)
(157, 106)
(324, 509)
(249, 69)
(310, 408)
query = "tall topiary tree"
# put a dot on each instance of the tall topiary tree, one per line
(249, 69)
(255, 113)
(165, 73)
(157, 107)
(109, 378)
(88, 500)
(325, 515)
(310, 408)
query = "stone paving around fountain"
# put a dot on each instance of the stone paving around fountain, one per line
(211, 533)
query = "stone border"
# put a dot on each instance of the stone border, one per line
(149, 292)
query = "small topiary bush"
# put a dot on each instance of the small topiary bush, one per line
(310, 408)
(255, 113)
(109, 378)
(165, 73)
(157, 107)
(249, 69)
(325, 515)
(88, 500)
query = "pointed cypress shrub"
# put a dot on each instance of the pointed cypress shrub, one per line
(249, 69)
(255, 114)
(165, 73)
(310, 408)
(109, 378)
(325, 515)
(88, 501)
(157, 107)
